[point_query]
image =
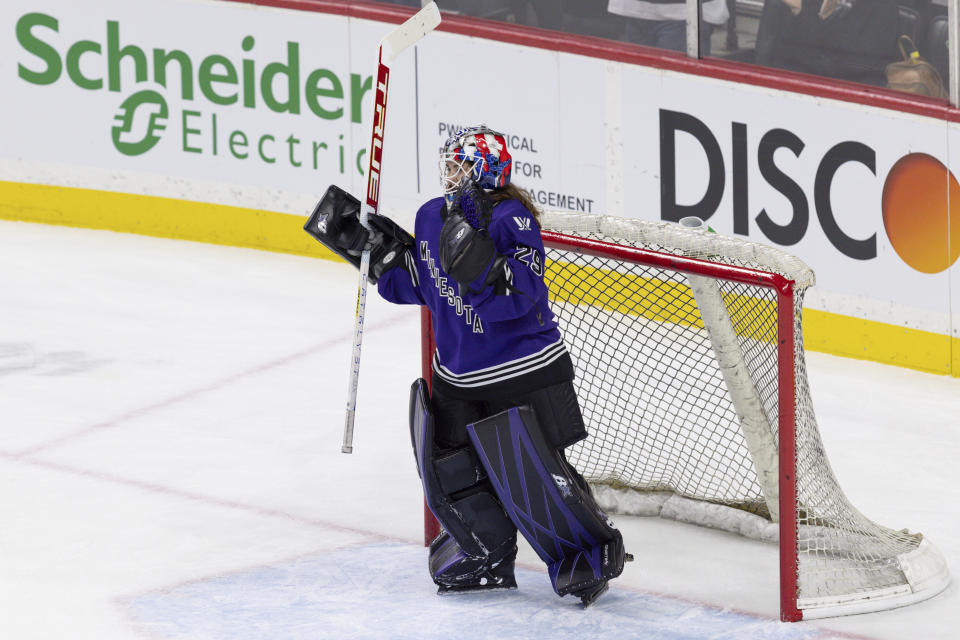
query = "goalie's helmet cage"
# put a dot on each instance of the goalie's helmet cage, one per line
(477, 153)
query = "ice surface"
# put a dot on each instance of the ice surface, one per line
(339, 594)
(170, 424)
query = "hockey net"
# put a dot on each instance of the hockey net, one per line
(691, 376)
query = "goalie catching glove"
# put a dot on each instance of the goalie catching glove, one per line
(467, 252)
(335, 222)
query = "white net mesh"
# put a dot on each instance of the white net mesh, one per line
(671, 421)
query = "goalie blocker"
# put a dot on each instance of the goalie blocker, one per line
(335, 222)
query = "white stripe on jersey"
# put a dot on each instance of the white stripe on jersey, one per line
(411, 267)
(503, 371)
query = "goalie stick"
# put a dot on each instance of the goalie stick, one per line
(408, 33)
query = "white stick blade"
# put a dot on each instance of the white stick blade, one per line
(418, 25)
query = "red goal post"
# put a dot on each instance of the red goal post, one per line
(692, 379)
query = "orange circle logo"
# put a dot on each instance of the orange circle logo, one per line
(921, 212)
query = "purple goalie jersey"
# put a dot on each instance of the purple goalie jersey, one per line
(496, 339)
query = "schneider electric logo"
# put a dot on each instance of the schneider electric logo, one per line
(226, 107)
(142, 116)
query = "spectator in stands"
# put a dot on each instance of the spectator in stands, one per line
(846, 39)
(585, 17)
(662, 23)
(504, 10)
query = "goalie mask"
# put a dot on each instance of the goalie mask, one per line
(477, 153)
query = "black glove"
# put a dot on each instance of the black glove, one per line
(466, 248)
(335, 222)
(388, 248)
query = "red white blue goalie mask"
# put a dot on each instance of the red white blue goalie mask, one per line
(476, 153)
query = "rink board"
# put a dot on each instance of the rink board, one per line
(261, 107)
